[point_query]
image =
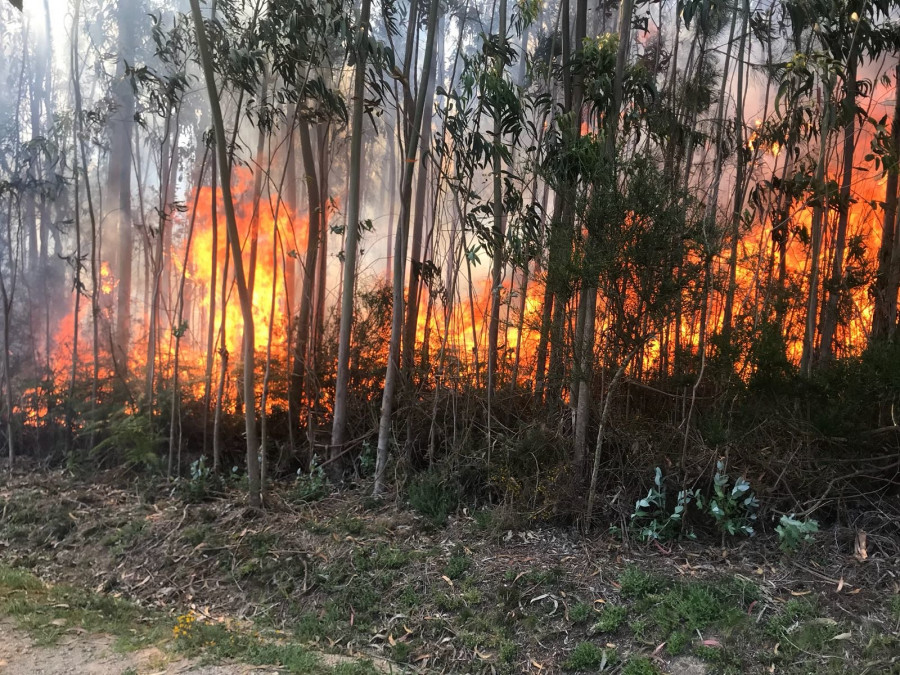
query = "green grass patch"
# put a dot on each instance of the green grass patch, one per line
(610, 618)
(580, 612)
(457, 566)
(635, 583)
(588, 656)
(640, 665)
(217, 641)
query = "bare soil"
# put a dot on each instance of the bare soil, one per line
(86, 654)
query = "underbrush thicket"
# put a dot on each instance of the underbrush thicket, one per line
(823, 447)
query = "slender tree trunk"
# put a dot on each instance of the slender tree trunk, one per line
(393, 365)
(235, 244)
(211, 320)
(835, 287)
(809, 336)
(301, 360)
(341, 395)
(886, 283)
(737, 208)
(119, 180)
(498, 233)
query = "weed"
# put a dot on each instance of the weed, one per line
(448, 603)
(579, 612)
(639, 628)
(194, 535)
(794, 611)
(508, 651)
(651, 515)
(457, 566)
(610, 619)
(690, 607)
(586, 656)
(200, 484)
(677, 642)
(350, 524)
(310, 487)
(635, 583)
(639, 665)
(484, 519)
(400, 651)
(260, 543)
(433, 497)
(793, 532)
(548, 577)
(382, 557)
(732, 507)
(123, 538)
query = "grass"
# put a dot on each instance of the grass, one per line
(349, 575)
(588, 656)
(49, 612)
(610, 618)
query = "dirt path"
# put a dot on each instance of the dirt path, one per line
(83, 654)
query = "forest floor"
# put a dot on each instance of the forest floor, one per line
(137, 575)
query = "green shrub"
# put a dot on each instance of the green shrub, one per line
(635, 583)
(732, 507)
(651, 518)
(793, 532)
(433, 497)
(457, 566)
(610, 619)
(588, 656)
(310, 487)
(579, 612)
(640, 665)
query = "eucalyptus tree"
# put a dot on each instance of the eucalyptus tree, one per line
(400, 252)
(304, 41)
(886, 153)
(841, 33)
(206, 62)
(360, 47)
(856, 31)
(119, 172)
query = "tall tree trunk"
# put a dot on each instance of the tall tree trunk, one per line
(341, 395)
(809, 335)
(235, 244)
(737, 208)
(118, 185)
(886, 283)
(400, 247)
(585, 348)
(498, 233)
(301, 359)
(835, 287)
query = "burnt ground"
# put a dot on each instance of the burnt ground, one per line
(388, 590)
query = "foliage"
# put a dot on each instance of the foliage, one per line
(312, 486)
(651, 518)
(610, 619)
(588, 656)
(201, 482)
(131, 435)
(793, 532)
(434, 496)
(732, 507)
(639, 665)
